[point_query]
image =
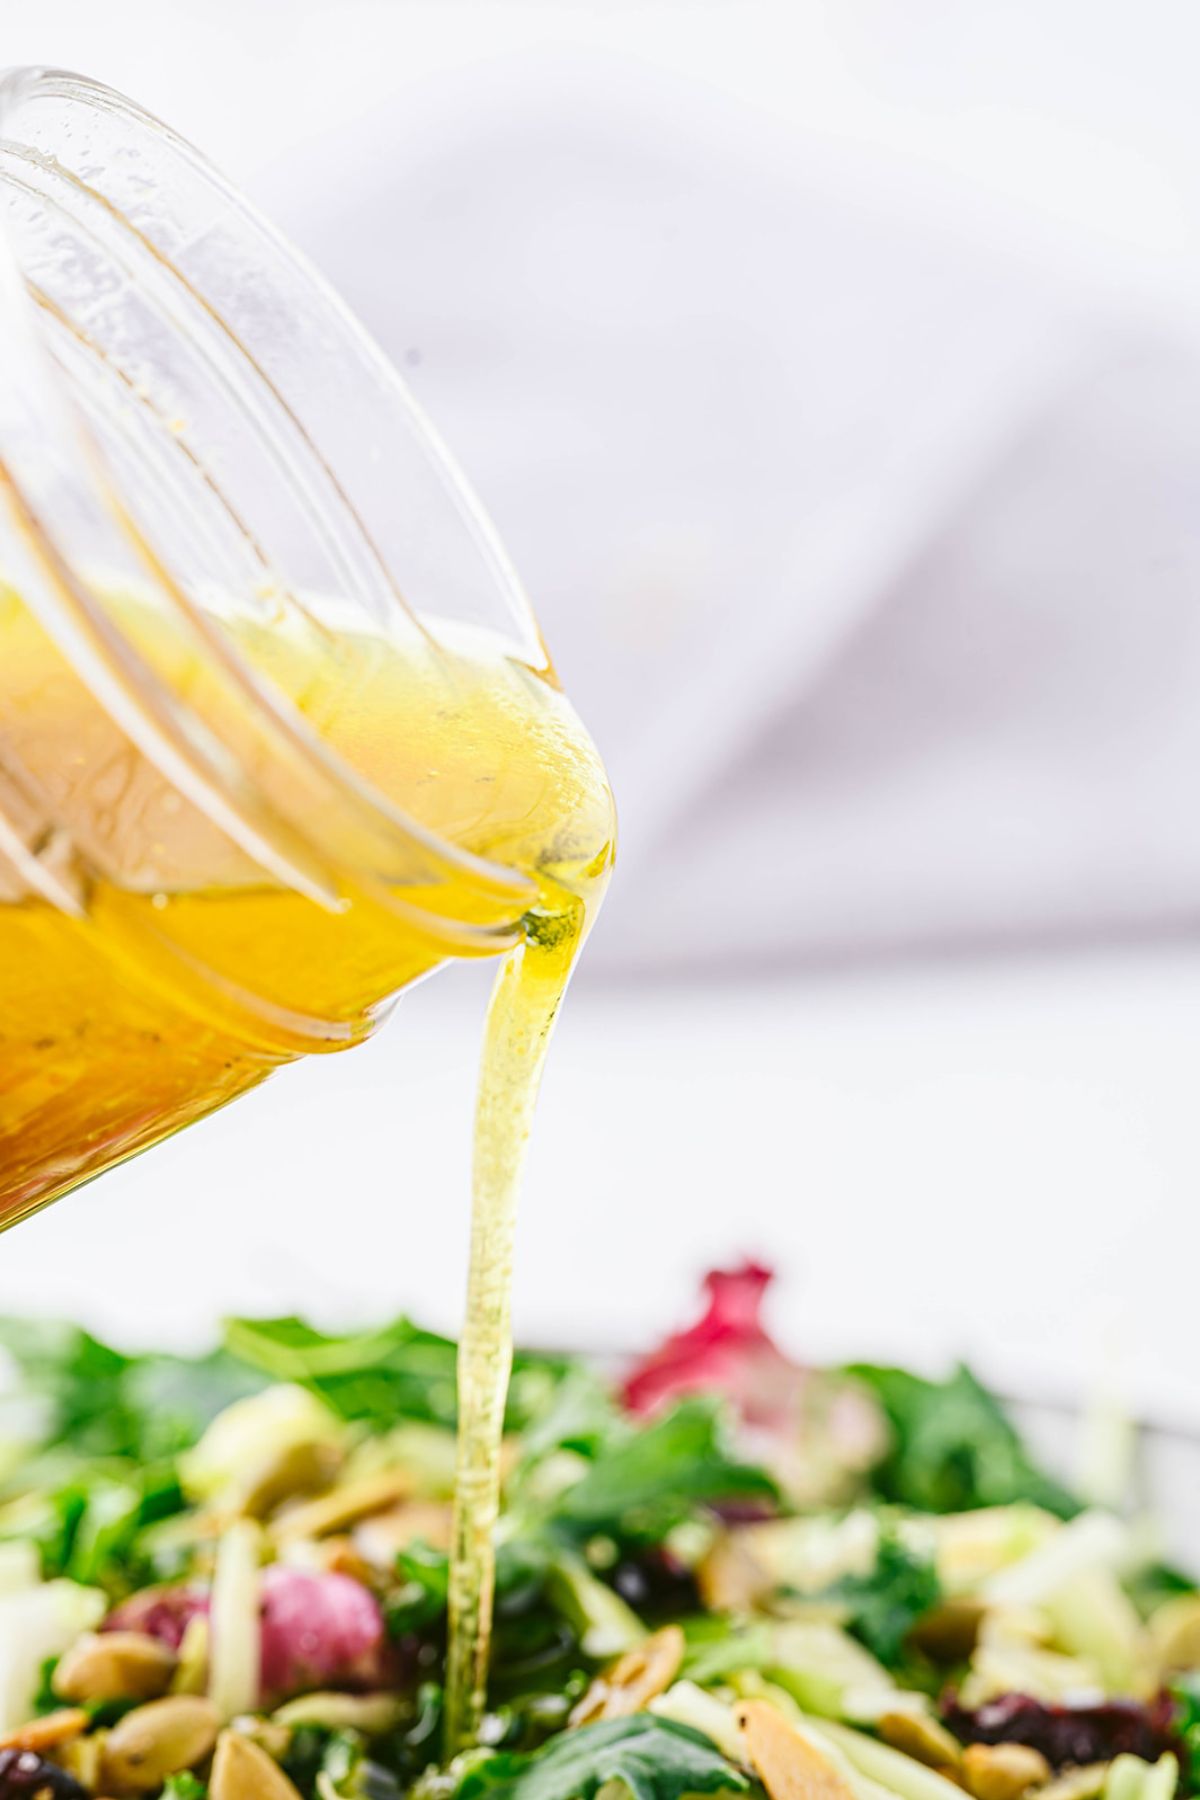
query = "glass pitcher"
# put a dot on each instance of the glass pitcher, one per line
(278, 734)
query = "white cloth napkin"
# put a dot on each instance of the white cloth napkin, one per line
(863, 520)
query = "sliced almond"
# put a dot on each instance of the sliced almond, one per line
(243, 1771)
(730, 1578)
(343, 1506)
(1003, 1771)
(787, 1765)
(629, 1684)
(48, 1732)
(330, 1556)
(382, 1536)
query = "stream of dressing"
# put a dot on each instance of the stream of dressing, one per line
(524, 1004)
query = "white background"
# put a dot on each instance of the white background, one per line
(897, 627)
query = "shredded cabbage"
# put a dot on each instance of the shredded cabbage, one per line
(38, 1623)
(1129, 1778)
(235, 1628)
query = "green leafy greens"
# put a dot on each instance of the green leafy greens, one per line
(884, 1604)
(183, 1786)
(953, 1448)
(398, 1371)
(1185, 1692)
(654, 1758)
(658, 1474)
(105, 1403)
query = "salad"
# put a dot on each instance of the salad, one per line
(224, 1578)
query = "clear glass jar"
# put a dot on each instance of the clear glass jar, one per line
(213, 486)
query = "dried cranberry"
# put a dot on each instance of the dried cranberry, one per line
(656, 1582)
(23, 1773)
(1067, 1734)
(744, 1512)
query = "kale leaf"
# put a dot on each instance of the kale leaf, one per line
(1185, 1692)
(953, 1447)
(397, 1371)
(183, 1786)
(655, 1758)
(884, 1604)
(420, 1599)
(348, 1770)
(649, 1478)
(108, 1427)
(581, 1416)
(1152, 1584)
(718, 1646)
(102, 1402)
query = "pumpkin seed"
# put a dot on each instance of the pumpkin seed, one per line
(921, 1736)
(1003, 1771)
(950, 1632)
(295, 1469)
(114, 1665)
(158, 1740)
(370, 1713)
